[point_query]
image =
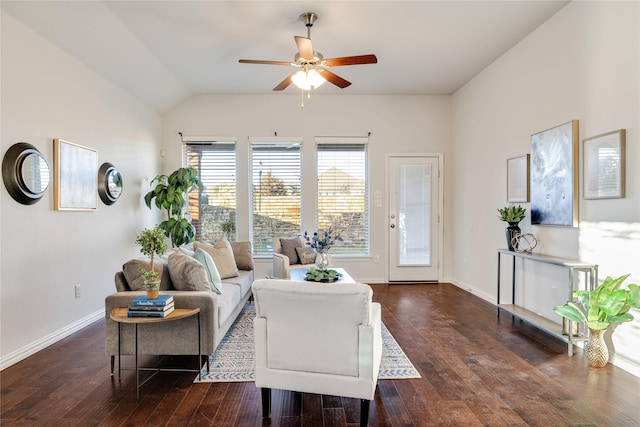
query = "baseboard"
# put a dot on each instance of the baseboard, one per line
(471, 289)
(622, 362)
(28, 350)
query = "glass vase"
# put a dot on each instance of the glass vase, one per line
(322, 261)
(597, 351)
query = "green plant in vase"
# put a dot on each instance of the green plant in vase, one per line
(600, 308)
(322, 242)
(513, 215)
(152, 242)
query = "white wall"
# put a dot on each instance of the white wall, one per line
(584, 64)
(398, 124)
(47, 94)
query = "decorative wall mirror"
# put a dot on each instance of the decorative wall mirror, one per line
(109, 183)
(25, 173)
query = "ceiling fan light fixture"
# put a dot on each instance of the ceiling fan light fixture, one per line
(307, 79)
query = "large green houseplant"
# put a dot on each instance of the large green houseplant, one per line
(152, 242)
(171, 195)
(600, 308)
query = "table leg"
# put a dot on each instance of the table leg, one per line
(137, 373)
(199, 351)
(119, 353)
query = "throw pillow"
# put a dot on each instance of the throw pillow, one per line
(306, 254)
(289, 249)
(134, 268)
(222, 257)
(187, 273)
(210, 268)
(242, 254)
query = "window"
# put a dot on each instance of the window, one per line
(216, 165)
(343, 193)
(275, 191)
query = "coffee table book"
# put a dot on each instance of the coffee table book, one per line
(149, 313)
(160, 301)
(151, 307)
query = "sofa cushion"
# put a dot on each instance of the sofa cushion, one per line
(213, 276)
(228, 301)
(222, 257)
(134, 268)
(187, 274)
(243, 281)
(289, 249)
(306, 254)
(242, 254)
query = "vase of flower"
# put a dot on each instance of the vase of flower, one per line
(512, 215)
(512, 231)
(322, 261)
(596, 349)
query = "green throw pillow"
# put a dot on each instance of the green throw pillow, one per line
(210, 268)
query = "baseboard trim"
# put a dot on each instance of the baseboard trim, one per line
(472, 289)
(44, 342)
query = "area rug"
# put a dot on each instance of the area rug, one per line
(233, 359)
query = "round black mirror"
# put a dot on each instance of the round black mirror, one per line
(109, 183)
(25, 173)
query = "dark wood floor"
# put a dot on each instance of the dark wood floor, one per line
(476, 370)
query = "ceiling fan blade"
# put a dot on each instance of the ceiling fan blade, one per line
(285, 83)
(351, 60)
(253, 61)
(335, 79)
(304, 47)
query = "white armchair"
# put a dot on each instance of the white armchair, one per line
(317, 338)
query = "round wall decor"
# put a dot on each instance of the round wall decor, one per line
(25, 173)
(109, 183)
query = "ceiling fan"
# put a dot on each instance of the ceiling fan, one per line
(312, 66)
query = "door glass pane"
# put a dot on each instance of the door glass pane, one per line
(414, 215)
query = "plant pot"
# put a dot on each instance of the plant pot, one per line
(596, 349)
(153, 289)
(512, 231)
(322, 261)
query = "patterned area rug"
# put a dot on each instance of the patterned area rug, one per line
(233, 359)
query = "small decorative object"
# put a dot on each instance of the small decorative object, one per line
(75, 182)
(229, 229)
(322, 275)
(513, 215)
(152, 242)
(604, 164)
(171, 195)
(598, 309)
(554, 175)
(524, 242)
(322, 244)
(518, 179)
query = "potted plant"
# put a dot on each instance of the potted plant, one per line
(152, 242)
(171, 195)
(513, 215)
(598, 309)
(228, 228)
(322, 244)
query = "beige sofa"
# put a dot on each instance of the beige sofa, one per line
(282, 264)
(180, 337)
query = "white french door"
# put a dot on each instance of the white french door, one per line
(413, 218)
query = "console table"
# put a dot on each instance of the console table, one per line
(591, 278)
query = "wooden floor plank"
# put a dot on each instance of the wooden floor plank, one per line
(476, 369)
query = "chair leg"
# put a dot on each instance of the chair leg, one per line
(113, 358)
(364, 412)
(266, 402)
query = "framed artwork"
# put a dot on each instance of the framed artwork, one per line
(554, 176)
(76, 176)
(604, 165)
(518, 179)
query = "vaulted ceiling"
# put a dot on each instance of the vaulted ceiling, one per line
(164, 51)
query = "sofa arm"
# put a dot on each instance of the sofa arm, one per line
(166, 338)
(280, 266)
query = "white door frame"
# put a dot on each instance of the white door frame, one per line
(440, 230)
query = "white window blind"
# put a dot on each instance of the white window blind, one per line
(276, 187)
(343, 188)
(216, 165)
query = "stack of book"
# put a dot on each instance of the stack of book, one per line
(145, 307)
